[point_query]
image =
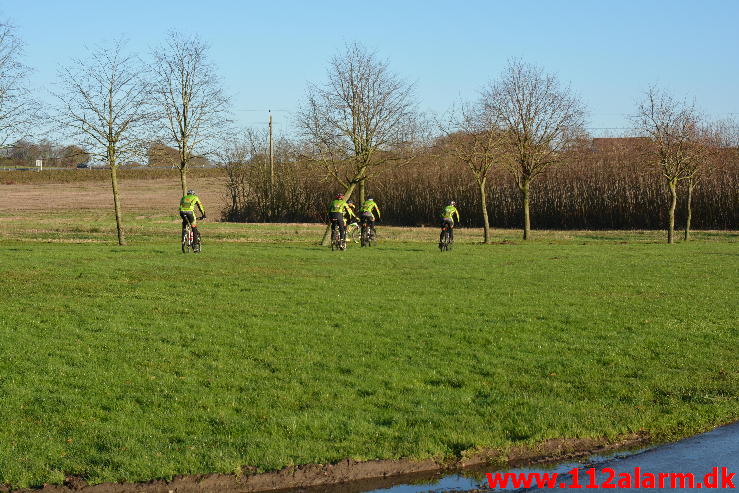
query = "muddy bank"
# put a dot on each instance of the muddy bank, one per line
(313, 475)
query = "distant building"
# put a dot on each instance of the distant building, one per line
(165, 156)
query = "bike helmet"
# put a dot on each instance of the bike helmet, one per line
(369, 198)
(191, 192)
(451, 202)
(339, 195)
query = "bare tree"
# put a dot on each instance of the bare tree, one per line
(104, 105)
(16, 105)
(677, 141)
(541, 120)
(260, 188)
(194, 107)
(362, 118)
(234, 156)
(73, 155)
(262, 177)
(475, 140)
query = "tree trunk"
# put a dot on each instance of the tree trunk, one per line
(183, 177)
(347, 193)
(689, 212)
(362, 190)
(484, 205)
(117, 205)
(671, 213)
(524, 187)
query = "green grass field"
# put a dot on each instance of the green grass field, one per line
(133, 363)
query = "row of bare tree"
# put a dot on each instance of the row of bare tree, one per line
(361, 124)
(603, 184)
(115, 104)
(25, 152)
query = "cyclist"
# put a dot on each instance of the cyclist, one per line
(349, 212)
(447, 219)
(365, 213)
(350, 206)
(336, 211)
(187, 212)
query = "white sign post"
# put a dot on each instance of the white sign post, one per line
(39, 164)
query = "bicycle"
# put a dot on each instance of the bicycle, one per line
(367, 236)
(336, 242)
(189, 240)
(446, 241)
(353, 232)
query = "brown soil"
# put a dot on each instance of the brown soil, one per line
(136, 195)
(351, 476)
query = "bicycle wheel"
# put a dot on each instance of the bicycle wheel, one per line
(334, 239)
(186, 240)
(353, 233)
(364, 237)
(196, 245)
(444, 243)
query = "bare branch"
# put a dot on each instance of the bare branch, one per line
(194, 110)
(17, 108)
(360, 117)
(541, 118)
(675, 131)
(104, 104)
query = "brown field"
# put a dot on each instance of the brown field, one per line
(137, 195)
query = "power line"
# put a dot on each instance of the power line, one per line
(267, 110)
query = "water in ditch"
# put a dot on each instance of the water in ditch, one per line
(467, 480)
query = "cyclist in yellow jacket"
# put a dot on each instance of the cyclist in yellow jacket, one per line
(336, 215)
(366, 213)
(188, 202)
(447, 219)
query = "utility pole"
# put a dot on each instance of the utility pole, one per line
(271, 162)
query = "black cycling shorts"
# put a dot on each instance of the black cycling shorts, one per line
(188, 217)
(337, 217)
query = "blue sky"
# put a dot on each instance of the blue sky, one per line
(267, 51)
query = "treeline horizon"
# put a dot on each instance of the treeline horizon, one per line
(515, 154)
(24, 152)
(601, 185)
